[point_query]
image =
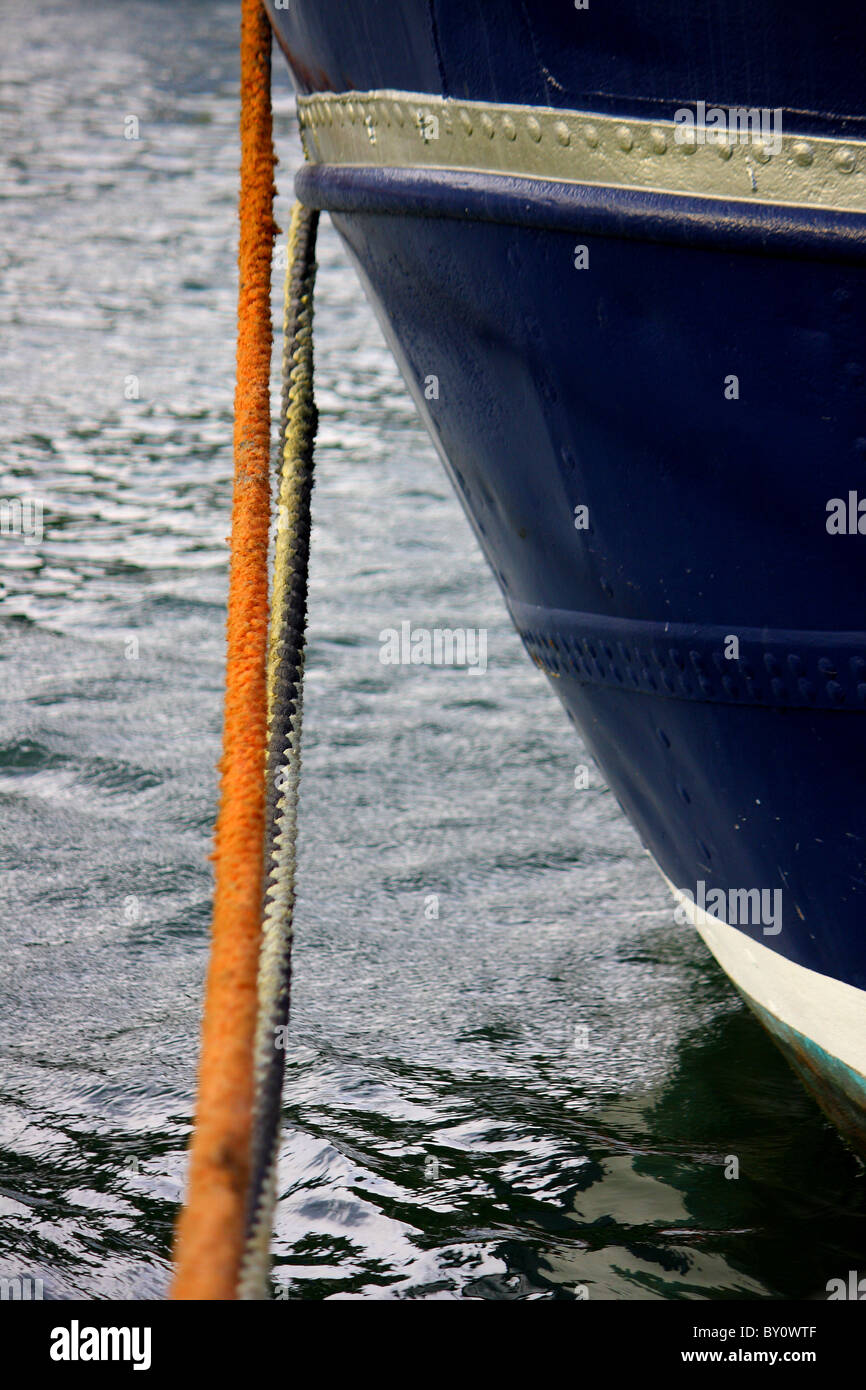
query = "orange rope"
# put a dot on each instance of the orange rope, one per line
(211, 1229)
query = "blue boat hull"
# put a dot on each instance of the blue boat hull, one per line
(659, 534)
(629, 59)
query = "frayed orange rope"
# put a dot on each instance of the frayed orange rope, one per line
(211, 1229)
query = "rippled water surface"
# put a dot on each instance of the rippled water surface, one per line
(446, 1135)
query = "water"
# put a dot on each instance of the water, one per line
(445, 1137)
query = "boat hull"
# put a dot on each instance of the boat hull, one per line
(628, 59)
(647, 398)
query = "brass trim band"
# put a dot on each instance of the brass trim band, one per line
(403, 130)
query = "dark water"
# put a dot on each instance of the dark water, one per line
(416, 1038)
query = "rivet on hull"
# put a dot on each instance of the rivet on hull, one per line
(538, 142)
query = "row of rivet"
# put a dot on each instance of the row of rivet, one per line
(321, 113)
(786, 680)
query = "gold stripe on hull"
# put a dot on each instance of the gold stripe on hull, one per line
(403, 130)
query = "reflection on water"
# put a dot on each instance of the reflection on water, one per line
(530, 1091)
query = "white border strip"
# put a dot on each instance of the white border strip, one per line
(824, 1010)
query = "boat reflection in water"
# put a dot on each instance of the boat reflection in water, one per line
(668, 1216)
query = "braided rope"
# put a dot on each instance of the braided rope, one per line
(285, 706)
(211, 1228)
